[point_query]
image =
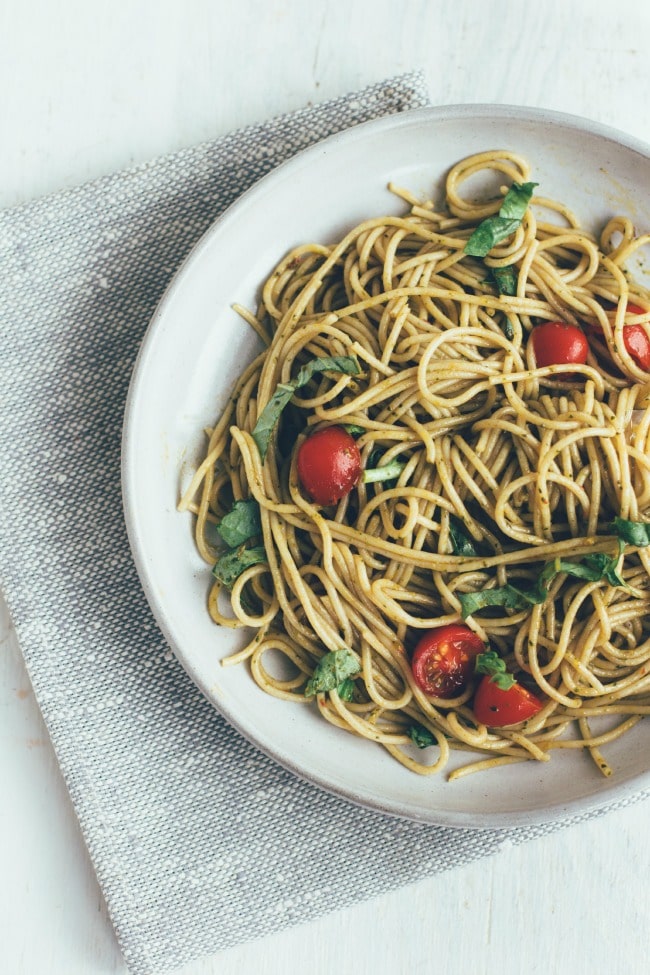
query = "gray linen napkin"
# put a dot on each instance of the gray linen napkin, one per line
(199, 841)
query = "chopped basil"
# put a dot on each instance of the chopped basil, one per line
(489, 233)
(460, 541)
(230, 566)
(270, 416)
(332, 670)
(515, 202)
(294, 422)
(386, 473)
(345, 690)
(495, 229)
(327, 363)
(421, 736)
(507, 596)
(605, 565)
(490, 663)
(505, 280)
(284, 392)
(241, 523)
(592, 568)
(633, 532)
(354, 429)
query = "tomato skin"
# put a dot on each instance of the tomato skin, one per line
(559, 344)
(443, 660)
(329, 464)
(497, 708)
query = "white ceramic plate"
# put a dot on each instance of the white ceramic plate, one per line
(196, 346)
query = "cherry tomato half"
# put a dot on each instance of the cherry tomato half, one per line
(558, 344)
(498, 708)
(443, 660)
(329, 464)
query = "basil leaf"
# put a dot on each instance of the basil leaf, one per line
(241, 523)
(421, 736)
(491, 664)
(507, 596)
(386, 473)
(489, 233)
(495, 229)
(284, 392)
(270, 415)
(515, 202)
(460, 541)
(505, 280)
(354, 429)
(606, 566)
(633, 532)
(230, 566)
(345, 690)
(592, 568)
(332, 670)
(329, 363)
(294, 422)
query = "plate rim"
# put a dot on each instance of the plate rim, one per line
(612, 792)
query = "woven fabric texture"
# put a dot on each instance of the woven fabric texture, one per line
(198, 840)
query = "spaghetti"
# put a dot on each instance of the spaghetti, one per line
(505, 473)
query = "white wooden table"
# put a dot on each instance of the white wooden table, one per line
(88, 88)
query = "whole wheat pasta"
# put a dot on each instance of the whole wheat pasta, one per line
(528, 465)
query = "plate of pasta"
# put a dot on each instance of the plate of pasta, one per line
(386, 465)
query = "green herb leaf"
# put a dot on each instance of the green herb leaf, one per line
(347, 364)
(605, 565)
(490, 663)
(593, 567)
(633, 532)
(270, 415)
(489, 233)
(345, 690)
(284, 392)
(386, 473)
(460, 540)
(495, 229)
(354, 429)
(241, 523)
(332, 670)
(515, 202)
(505, 280)
(230, 566)
(421, 736)
(507, 596)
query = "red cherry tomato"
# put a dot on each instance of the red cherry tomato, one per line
(498, 708)
(558, 344)
(443, 660)
(329, 464)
